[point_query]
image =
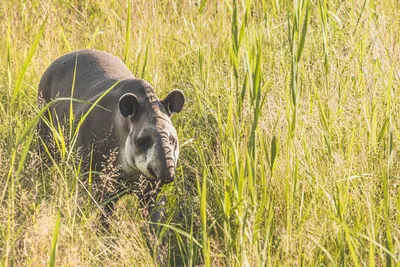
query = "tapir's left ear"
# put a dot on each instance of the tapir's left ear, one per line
(128, 104)
(174, 102)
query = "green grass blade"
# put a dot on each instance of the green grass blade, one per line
(202, 5)
(21, 74)
(304, 32)
(127, 33)
(24, 153)
(180, 231)
(274, 153)
(145, 60)
(52, 260)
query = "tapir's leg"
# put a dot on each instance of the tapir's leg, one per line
(157, 213)
(148, 200)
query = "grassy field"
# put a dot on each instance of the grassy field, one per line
(289, 138)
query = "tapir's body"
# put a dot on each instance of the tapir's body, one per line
(95, 73)
(128, 120)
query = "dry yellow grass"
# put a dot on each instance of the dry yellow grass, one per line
(332, 195)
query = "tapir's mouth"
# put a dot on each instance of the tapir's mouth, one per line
(164, 179)
(167, 181)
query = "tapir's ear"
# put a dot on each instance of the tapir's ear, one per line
(174, 101)
(127, 104)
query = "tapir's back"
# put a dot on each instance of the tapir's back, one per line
(93, 68)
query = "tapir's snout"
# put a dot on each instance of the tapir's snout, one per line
(164, 171)
(166, 154)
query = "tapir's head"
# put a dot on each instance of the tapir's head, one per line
(152, 146)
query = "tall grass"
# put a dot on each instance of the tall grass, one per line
(289, 139)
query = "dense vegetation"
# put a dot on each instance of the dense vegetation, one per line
(289, 137)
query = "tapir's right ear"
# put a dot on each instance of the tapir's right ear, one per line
(174, 102)
(127, 104)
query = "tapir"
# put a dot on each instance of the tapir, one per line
(122, 115)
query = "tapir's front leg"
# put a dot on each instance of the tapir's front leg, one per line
(154, 208)
(157, 213)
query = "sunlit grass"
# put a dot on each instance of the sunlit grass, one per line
(289, 138)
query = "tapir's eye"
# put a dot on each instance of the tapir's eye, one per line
(144, 142)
